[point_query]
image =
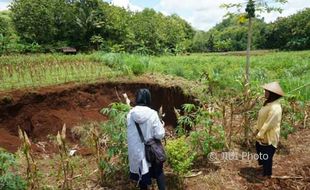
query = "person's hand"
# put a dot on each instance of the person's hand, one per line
(255, 132)
(163, 123)
(259, 136)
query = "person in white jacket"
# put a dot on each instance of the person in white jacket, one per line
(151, 127)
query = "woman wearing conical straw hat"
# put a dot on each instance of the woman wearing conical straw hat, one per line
(268, 127)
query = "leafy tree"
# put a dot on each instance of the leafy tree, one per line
(230, 35)
(178, 32)
(116, 31)
(33, 20)
(64, 23)
(200, 41)
(7, 32)
(5, 26)
(148, 31)
(210, 43)
(290, 33)
(154, 33)
(94, 24)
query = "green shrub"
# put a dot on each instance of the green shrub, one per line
(286, 129)
(203, 142)
(138, 68)
(178, 71)
(180, 156)
(8, 180)
(205, 136)
(188, 119)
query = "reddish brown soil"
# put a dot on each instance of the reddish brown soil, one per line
(291, 169)
(44, 111)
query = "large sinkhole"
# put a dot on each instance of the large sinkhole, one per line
(43, 112)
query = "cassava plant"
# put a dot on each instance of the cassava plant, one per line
(116, 128)
(187, 120)
(204, 135)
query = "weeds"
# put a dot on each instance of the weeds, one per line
(180, 156)
(224, 72)
(204, 134)
(9, 180)
(109, 142)
(32, 170)
(66, 164)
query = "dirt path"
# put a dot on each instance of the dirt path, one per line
(292, 159)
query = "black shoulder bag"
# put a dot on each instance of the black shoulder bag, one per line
(154, 150)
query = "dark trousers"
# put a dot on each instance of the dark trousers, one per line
(265, 153)
(160, 183)
(155, 171)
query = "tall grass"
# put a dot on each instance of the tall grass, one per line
(291, 69)
(43, 70)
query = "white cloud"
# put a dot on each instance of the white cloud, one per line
(126, 4)
(291, 7)
(204, 14)
(3, 5)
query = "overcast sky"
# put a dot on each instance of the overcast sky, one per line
(202, 14)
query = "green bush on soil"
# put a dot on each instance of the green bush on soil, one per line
(138, 68)
(286, 129)
(9, 180)
(180, 156)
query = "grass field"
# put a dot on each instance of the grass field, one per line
(220, 121)
(225, 71)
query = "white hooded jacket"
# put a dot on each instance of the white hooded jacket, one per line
(151, 127)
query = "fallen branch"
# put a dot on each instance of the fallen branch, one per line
(194, 175)
(119, 99)
(96, 170)
(305, 119)
(74, 177)
(287, 177)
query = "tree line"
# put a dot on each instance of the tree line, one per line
(286, 33)
(47, 25)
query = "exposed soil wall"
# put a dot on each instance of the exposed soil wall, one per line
(43, 112)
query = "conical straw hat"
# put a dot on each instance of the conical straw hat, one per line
(274, 87)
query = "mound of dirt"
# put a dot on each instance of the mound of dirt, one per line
(43, 112)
